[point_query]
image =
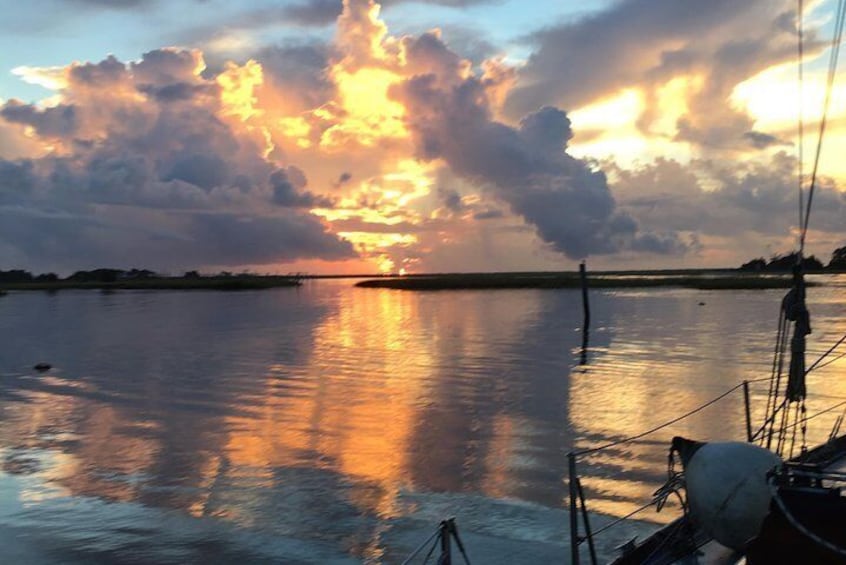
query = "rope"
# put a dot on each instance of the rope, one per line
(677, 531)
(618, 520)
(827, 353)
(657, 428)
(421, 546)
(821, 412)
(832, 68)
(778, 362)
(771, 398)
(800, 16)
(830, 361)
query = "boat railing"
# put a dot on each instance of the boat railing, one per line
(582, 533)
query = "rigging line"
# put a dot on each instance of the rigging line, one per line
(769, 420)
(800, 16)
(832, 68)
(772, 399)
(780, 373)
(826, 411)
(657, 428)
(830, 361)
(826, 354)
(793, 436)
(618, 520)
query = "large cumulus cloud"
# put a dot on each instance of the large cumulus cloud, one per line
(153, 163)
(646, 43)
(567, 200)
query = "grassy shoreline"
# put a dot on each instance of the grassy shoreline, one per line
(701, 280)
(161, 283)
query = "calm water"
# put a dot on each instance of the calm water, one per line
(332, 424)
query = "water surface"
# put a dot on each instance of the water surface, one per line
(335, 424)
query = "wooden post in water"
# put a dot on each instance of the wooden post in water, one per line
(586, 308)
(585, 302)
(749, 437)
(574, 518)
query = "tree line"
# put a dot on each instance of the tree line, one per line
(18, 276)
(783, 263)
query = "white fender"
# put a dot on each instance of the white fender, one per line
(727, 490)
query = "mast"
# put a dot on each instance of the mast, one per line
(794, 308)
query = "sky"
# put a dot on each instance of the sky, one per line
(329, 136)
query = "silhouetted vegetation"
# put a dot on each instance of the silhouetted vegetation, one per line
(703, 280)
(838, 259)
(784, 264)
(114, 279)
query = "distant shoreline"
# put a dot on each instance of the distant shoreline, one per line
(702, 279)
(720, 279)
(161, 283)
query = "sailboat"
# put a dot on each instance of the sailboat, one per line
(764, 500)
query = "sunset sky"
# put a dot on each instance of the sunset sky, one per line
(416, 135)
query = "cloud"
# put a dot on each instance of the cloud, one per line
(567, 200)
(314, 12)
(288, 185)
(416, 153)
(115, 4)
(488, 215)
(726, 199)
(761, 140)
(159, 163)
(648, 43)
(56, 121)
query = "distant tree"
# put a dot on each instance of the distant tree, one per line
(838, 258)
(47, 277)
(191, 275)
(758, 264)
(139, 274)
(15, 276)
(97, 275)
(785, 263)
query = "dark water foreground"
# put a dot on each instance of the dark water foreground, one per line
(327, 424)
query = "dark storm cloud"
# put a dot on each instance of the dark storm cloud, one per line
(646, 43)
(566, 200)
(204, 170)
(739, 198)
(176, 92)
(17, 181)
(314, 12)
(299, 71)
(343, 179)
(66, 241)
(761, 140)
(107, 71)
(56, 121)
(450, 198)
(488, 215)
(288, 190)
(232, 239)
